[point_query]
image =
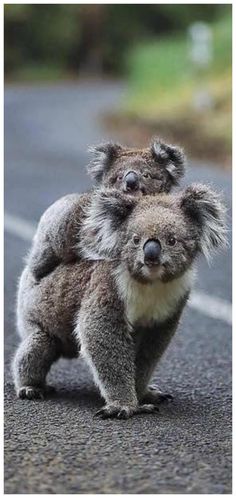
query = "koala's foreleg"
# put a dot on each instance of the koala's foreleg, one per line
(108, 347)
(42, 259)
(152, 346)
(32, 362)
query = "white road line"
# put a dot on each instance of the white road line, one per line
(19, 227)
(211, 306)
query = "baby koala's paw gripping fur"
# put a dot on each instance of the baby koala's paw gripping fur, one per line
(124, 411)
(155, 396)
(33, 392)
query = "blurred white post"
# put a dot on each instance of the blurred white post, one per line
(201, 54)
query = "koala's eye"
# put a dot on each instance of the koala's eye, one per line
(120, 177)
(171, 241)
(136, 239)
(146, 174)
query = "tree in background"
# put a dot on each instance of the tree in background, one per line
(90, 38)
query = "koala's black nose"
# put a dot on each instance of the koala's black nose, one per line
(152, 251)
(131, 181)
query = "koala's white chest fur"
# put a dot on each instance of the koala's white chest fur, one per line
(153, 302)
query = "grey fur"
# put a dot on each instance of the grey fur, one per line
(172, 156)
(56, 236)
(59, 228)
(104, 155)
(119, 312)
(206, 208)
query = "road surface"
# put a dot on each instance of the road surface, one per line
(57, 446)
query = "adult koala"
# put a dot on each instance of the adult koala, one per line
(152, 170)
(123, 309)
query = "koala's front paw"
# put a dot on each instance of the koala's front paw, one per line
(124, 411)
(33, 392)
(155, 396)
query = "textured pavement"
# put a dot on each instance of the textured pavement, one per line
(57, 446)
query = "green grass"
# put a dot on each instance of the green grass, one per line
(162, 78)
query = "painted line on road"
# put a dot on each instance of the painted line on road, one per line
(211, 306)
(19, 227)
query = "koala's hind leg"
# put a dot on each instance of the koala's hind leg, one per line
(42, 259)
(32, 362)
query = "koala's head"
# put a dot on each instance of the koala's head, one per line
(157, 236)
(152, 170)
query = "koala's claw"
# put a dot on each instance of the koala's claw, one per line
(30, 392)
(155, 396)
(111, 411)
(124, 412)
(33, 392)
(147, 408)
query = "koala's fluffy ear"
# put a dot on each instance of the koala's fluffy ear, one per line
(104, 155)
(171, 157)
(101, 232)
(205, 208)
(113, 205)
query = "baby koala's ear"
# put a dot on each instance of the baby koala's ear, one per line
(171, 157)
(104, 155)
(205, 208)
(101, 232)
(110, 204)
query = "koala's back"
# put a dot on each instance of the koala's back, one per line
(55, 301)
(61, 221)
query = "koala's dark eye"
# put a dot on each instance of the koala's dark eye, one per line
(136, 239)
(171, 241)
(120, 177)
(146, 174)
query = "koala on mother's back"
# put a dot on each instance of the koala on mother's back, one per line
(154, 169)
(122, 309)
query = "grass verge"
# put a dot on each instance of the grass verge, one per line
(163, 86)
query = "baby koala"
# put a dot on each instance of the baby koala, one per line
(152, 170)
(122, 310)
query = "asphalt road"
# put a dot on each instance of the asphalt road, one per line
(57, 446)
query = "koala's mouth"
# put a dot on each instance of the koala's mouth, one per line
(153, 268)
(152, 265)
(132, 192)
(149, 272)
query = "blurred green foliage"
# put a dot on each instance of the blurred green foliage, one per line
(161, 75)
(39, 35)
(47, 40)
(164, 87)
